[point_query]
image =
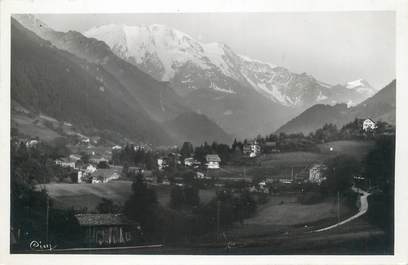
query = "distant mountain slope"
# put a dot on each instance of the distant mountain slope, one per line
(155, 99)
(381, 106)
(245, 97)
(47, 80)
(196, 128)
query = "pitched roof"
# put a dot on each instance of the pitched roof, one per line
(368, 119)
(107, 219)
(213, 158)
(105, 172)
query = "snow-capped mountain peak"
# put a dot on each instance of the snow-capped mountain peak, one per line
(361, 85)
(190, 65)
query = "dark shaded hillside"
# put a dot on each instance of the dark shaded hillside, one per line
(315, 117)
(47, 80)
(196, 128)
(381, 106)
(157, 99)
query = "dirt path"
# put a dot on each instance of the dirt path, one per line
(363, 209)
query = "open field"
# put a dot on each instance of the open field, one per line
(358, 149)
(79, 196)
(268, 165)
(285, 210)
(290, 159)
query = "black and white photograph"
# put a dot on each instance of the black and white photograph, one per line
(202, 133)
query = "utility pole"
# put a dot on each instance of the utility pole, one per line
(47, 210)
(338, 206)
(338, 198)
(218, 218)
(47, 218)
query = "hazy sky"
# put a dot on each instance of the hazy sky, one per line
(334, 47)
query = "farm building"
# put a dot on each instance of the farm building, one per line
(188, 162)
(252, 149)
(65, 162)
(105, 175)
(32, 143)
(97, 159)
(162, 163)
(74, 157)
(213, 161)
(108, 229)
(369, 124)
(316, 173)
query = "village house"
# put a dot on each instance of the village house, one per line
(188, 162)
(162, 163)
(105, 175)
(82, 174)
(252, 149)
(32, 143)
(369, 125)
(116, 148)
(108, 229)
(97, 159)
(213, 161)
(74, 157)
(65, 162)
(85, 140)
(316, 173)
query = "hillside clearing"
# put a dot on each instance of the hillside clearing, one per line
(358, 149)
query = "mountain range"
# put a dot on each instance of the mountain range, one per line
(243, 95)
(78, 79)
(380, 107)
(181, 84)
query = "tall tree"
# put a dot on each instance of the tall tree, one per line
(142, 204)
(340, 172)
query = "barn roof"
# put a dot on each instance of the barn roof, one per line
(105, 172)
(102, 219)
(213, 158)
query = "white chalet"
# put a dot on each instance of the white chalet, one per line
(316, 173)
(369, 124)
(213, 161)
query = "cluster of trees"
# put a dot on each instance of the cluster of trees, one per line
(36, 164)
(181, 196)
(226, 209)
(142, 206)
(223, 150)
(187, 216)
(134, 157)
(329, 132)
(30, 205)
(380, 170)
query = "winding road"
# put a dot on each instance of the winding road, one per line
(363, 209)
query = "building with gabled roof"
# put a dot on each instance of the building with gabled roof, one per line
(108, 229)
(213, 161)
(369, 124)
